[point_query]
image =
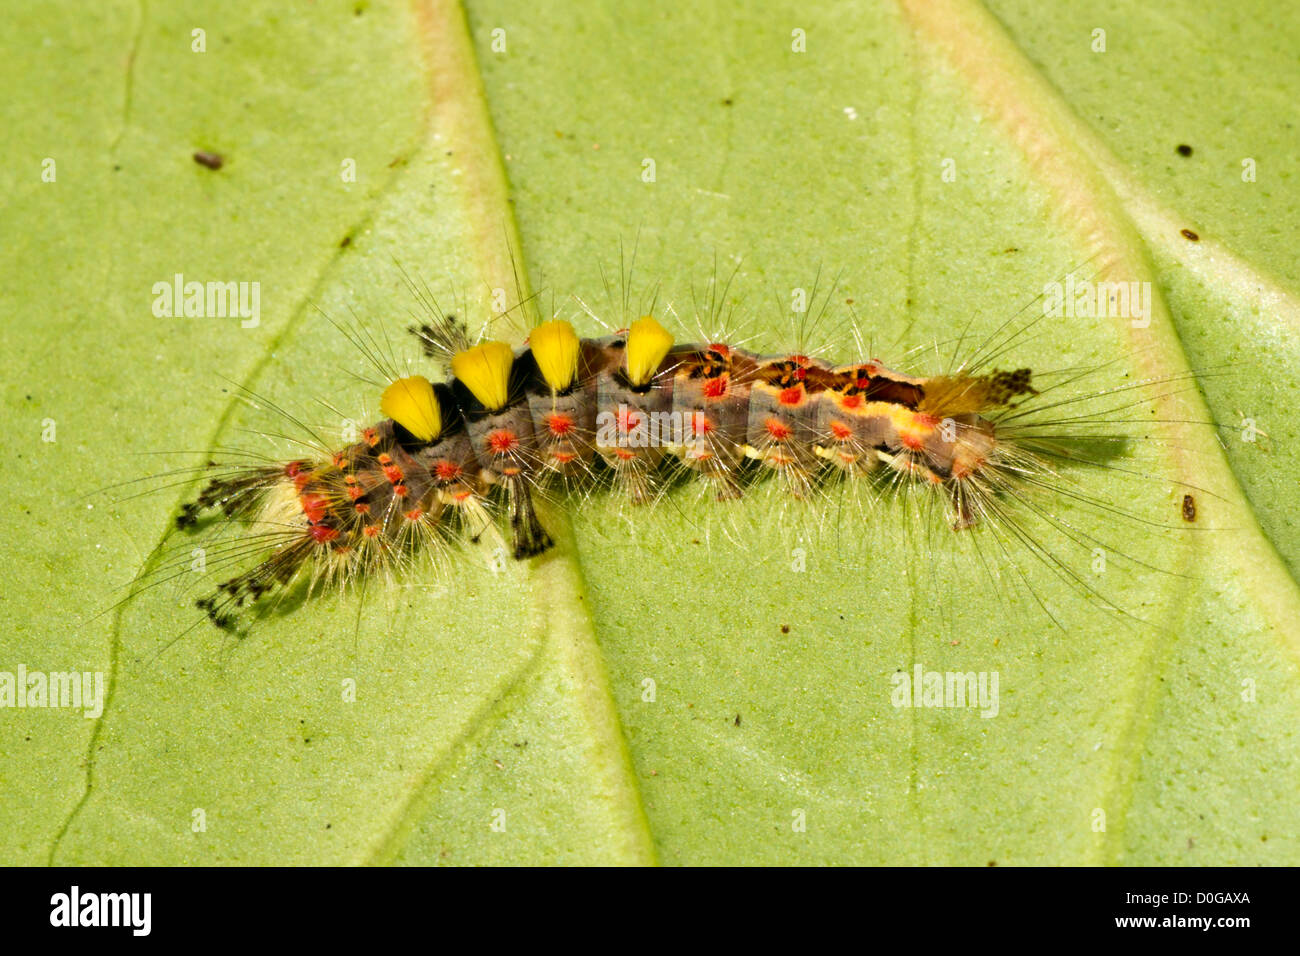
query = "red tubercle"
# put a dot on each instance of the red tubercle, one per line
(502, 441)
(415, 514)
(841, 431)
(446, 470)
(791, 396)
(628, 420)
(559, 424)
(778, 429)
(314, 506)
(716, 387)
(322, 534)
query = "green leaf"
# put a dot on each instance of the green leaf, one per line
(769, 630)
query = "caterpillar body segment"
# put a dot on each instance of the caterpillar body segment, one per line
(712, 387)
(563, 408)
(566, 407)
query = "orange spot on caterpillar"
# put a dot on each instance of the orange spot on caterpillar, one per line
(400, 490)
(700, 424)
(841, 431)
(502, 442)
(559, 424)
(371, 437)
(926, 421)
(355, 492)
(563, 457)
(912, 442)
(447, 470)
(371, 531)
(361, 508)
(624, 454)
(791, 396)
(721, 349)
(851, 401)
(777, 429)
(415, 514)
(384, 459)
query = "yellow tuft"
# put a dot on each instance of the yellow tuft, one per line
(555, 348)
(485, 371)
(412, 404)
(648, 343)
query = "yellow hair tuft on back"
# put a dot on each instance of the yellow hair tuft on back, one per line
(412, 403)
(648, 343)
(485, 371)
(555, 349)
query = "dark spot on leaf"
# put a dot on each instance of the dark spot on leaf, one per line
(785, 628)
(1188, 234)
(209, 160)
(737, 721)
(1183, 150)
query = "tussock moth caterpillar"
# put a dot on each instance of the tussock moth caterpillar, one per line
(564, 414)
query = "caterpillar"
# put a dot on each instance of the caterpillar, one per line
(467, 456)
